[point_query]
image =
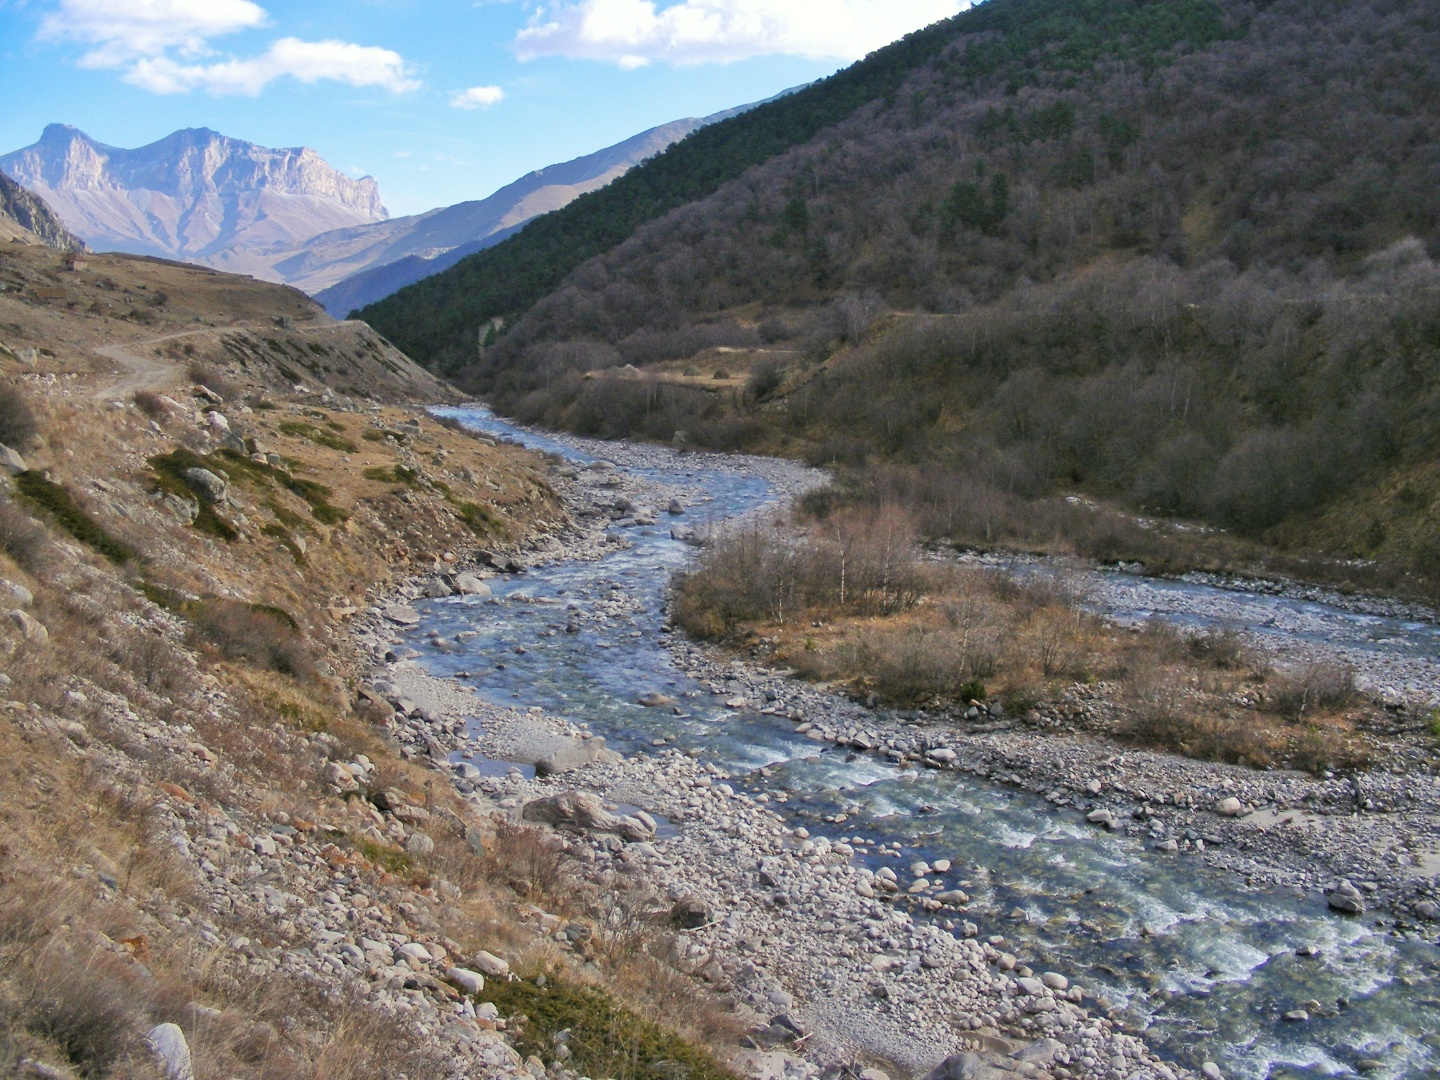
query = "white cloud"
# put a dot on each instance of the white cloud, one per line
(124, 30)
(163, 46)
(477, 97)
(307, 61)
(633, 33)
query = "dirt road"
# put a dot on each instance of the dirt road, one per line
(142, 372)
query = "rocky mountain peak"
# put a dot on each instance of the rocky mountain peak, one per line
(192, 193)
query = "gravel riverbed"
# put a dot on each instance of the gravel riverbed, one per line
(869, 964)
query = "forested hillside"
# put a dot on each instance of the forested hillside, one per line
(435, 319)
(1176, 254)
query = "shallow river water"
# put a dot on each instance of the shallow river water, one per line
(1206, 966)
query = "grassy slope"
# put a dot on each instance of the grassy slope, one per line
(201, 673)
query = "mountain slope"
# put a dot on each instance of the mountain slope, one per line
(436, 319)
(25, 217)
(194, 195)
(1178, 256)
(376, 260)
(324, 261)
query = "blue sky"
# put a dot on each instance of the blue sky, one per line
(440, 101)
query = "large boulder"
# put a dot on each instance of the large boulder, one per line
(1346, 898)
(470, 585)
(690, 912)
(11, 461)
(19, 594)
(31, 628)
(574, 754)
(401, 614)
(971, 1066)
(584, 812)
(168, 1044)
(206, 484)
(437, 588)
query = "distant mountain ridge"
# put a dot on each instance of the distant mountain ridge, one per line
(195, 195)
(25, 217)
(288, 216)
(355, 267)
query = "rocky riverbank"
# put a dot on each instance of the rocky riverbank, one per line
(872, 965)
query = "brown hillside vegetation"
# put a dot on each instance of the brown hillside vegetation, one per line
(181, 722)
(1196, 282)
(848, 600)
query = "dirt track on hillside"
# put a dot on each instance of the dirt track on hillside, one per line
(142, 372)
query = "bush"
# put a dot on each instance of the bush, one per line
(150, 403)
(18, 426)
(22, 537)
(86, 1010)
(974, 690)
(1224, 649)
(263, 637)
(1312, 688)
(604, 1038)
(213, 379)
(764, 379)
(319, 436)
(915, 666)
(531, 861)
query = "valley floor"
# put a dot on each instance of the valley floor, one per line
(795, 925)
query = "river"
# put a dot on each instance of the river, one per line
(1204, 965)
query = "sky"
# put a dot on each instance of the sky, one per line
(442, 100)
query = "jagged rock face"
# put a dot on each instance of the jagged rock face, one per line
(194, 195)
(25, 216)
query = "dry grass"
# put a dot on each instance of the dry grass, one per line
(18, 425)
(23, 538)
(263, 637)
(533, 863)
(1314, 688)
(944, 636)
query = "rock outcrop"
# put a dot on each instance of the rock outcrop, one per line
(194, 195)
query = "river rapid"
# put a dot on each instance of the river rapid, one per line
(1204, 965)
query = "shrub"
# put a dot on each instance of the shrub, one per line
(213, 379)
(764, 379)
(154, 661)
(1316, 686)
(320, 436)
(149, 403)
(914, 666)
(974, 690)
(22, 537)
(263, 637)
(85, 1009)
(18, 426)
(1154, 696)
(1224, 649)
(530, 861)
(604, 1039)
(61, 505)
(1318, 750)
